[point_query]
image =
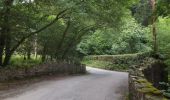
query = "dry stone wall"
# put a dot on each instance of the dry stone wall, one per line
(42, 69)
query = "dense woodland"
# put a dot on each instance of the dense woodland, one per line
(71, 29)
(53, 28)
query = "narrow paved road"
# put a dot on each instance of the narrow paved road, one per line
(97, 85)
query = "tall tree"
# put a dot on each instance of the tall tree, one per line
(147, 13)
(11, 24)
(153, 19)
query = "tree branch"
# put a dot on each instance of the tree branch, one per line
(76, 38)
(59, 16)
(64, 35)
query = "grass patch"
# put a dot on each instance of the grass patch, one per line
(18, 61)
(105, 65)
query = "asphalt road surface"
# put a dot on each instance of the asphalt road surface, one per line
(96, 85)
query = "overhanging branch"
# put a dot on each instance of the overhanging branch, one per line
(58, 16)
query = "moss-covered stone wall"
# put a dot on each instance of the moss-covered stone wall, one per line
(144, 80)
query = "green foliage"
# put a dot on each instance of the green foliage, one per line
(164, 39)
(163, 35)
(97, 44)
(131, 38)
(163, 8)
(54, 27)
(166, 92)
(142, 10)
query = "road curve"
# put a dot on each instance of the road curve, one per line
(96, 85)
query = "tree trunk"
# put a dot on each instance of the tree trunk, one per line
(7, 59)
(29, 54)
(25, 57)
(8, 52)
(43, 57)
(44, 53)
(51, 57)
(2, 45)
(35, 46)
(155, 46)
(5, 33)
(75, 38)
(62, 39)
